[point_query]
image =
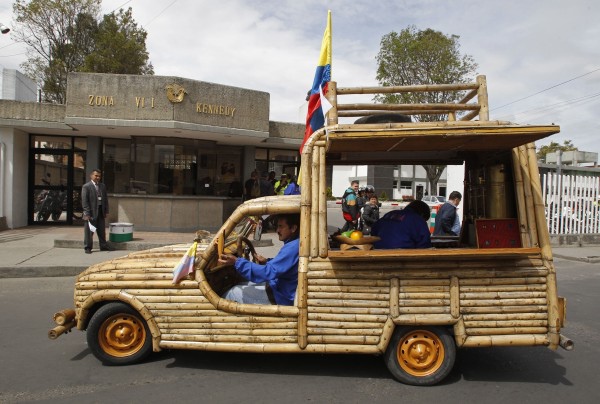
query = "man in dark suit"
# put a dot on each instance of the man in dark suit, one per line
(95, 208)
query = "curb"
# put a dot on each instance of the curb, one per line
(40, 272)
(589, 260)
(74, 270)
(139, 245)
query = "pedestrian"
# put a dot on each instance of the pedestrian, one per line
(281, 184)
(252, 186)
(95, 209)
(293, 188)
(266, 186)
(446, 217)
(350, 207)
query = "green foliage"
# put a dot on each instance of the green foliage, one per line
(554, 147)
(383, 196)
(60, 35)
(329, 194)
(414, 57)
(120, 47)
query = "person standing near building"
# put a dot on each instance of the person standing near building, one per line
(266, 186)
(252, 186)
(95, 209)
(445, 220)
(293, 188)
(281, 185)
(350, 209)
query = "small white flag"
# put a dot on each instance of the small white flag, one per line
(91, 226)
(325, 104)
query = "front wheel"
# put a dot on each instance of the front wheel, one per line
(118, 335)
(420, 356)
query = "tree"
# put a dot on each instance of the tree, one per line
(554, 147)
(61, 35)
(414, 57)
(55, 32)
(120, 47)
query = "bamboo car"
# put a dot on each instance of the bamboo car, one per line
(413, 307)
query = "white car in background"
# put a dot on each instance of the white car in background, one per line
(434, 200)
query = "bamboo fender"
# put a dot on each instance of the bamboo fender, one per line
(122, 296)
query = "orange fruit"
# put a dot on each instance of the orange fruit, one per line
(356, 235)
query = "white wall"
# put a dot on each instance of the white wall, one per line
(456, 182)
(341, 177)
(13, 189)
(14, 85)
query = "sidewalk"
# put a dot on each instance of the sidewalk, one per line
(58, 250)
(37, 251)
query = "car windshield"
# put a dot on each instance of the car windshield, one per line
(441, 198)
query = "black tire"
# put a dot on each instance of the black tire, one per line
(420, 356)
(43, 216)
(118, 335)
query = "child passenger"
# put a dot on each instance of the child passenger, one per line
(370, 214)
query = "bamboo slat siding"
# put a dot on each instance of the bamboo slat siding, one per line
(347, 312)
(181, 313)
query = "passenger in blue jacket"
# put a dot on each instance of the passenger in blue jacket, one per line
(271, 281)
(406, 228)
(447, 222)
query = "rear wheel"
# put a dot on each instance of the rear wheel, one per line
(43, 216)
(118, 335)
(420, 356)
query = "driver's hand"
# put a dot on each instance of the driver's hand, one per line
(260, 259)
(227, 259)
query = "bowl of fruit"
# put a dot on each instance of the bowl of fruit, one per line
(355, 237)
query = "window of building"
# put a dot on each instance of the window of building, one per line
(153, 165)
(278, 160)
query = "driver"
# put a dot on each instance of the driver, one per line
(271, 281)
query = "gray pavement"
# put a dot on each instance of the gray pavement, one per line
(58, 250)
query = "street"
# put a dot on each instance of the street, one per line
(35, 368)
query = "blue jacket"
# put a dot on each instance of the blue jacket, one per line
(444, 220)
(281, 272)
(401, 229)
(292, 189)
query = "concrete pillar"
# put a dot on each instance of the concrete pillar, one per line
(94, 155)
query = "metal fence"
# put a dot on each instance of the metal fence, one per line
(572, 204)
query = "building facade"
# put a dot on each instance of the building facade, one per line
(174, 152)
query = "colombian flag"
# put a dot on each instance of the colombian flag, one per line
(318, 105)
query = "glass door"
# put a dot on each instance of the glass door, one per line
(56, 174)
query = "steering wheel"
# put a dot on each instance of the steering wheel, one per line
(240, 252)
(243, 252)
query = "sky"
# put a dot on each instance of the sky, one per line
(541, 57)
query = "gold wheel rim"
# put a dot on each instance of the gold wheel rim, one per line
(122, 335)
(420, 353)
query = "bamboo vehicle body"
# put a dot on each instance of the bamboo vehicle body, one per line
(414, 307)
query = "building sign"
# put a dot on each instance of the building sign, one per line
(154, 98)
